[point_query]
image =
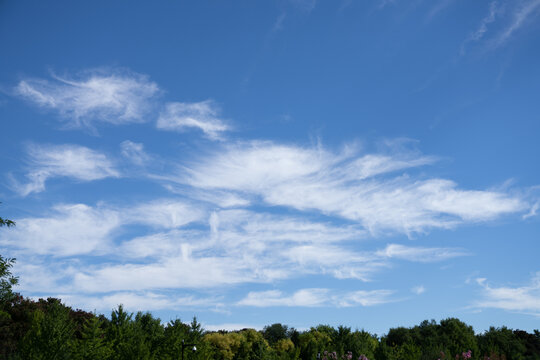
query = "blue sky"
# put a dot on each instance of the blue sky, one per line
(366, 163)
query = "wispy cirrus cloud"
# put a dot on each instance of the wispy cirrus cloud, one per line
(522, 13)
(438, 7)
(524, 299)
(179, 116)
(419, 254)
(225, 248)
(304, 5)
(134, 152)
(317, 297)
(137, 301)
(75, 229)
(72, 161)
(116, 97)
(494, 10)
(502, 22)
(365, 188)
(69, 230)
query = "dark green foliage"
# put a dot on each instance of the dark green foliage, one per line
(7, 280)
(137, 338)
(275, 332)
(531, 343)
(15, 321)
(512, 345)
(92, 343)
(47, 329)
(51, 335)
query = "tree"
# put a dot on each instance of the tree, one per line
(275, 332)
(51, 334)
(7, 280)
(93, 345)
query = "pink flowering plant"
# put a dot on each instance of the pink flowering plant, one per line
(347, 356)
(464, 355)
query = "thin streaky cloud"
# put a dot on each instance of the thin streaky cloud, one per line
(533, 212)
(520, 17)
(95, 227)
(137, 301)
(54, 235)
(95, 96)
(237, 247)
(134, 152)
(419, 254)
(203, 116)
(524, 299)
(439, 7)
(304, 5)
(72, 161)
(278, 24)
(370, 189)
(494, 10)
(317, 297)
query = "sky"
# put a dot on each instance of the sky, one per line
(364, 163)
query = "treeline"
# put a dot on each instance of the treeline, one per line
(48, 329)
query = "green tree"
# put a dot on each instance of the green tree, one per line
(362, 343)
(51, 334)
(7, 280)
(458, 337)
(93, 345)
(275, 332)
(128, 337)
(313, 342)
(502, 341)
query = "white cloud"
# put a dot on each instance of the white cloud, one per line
(519, 18)
(304, 297)
(174, 272)
(479, 33)
(505, 19)
(69, 230)
(439, 7)
(223, 199)
(77, 162)
(356, 187)
(533, 211)
(134, 152)
(108, 96)
(363, 298)
(304, 5)
(136, 301)
(72, 229)
(525, 299)
(203, 115)
(317, 298)
(420, 289)
(154, 245)
(236, 246)
(164, 213)
(419, 254)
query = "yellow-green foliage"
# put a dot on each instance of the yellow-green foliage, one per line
(284, 346)
(224, 345)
